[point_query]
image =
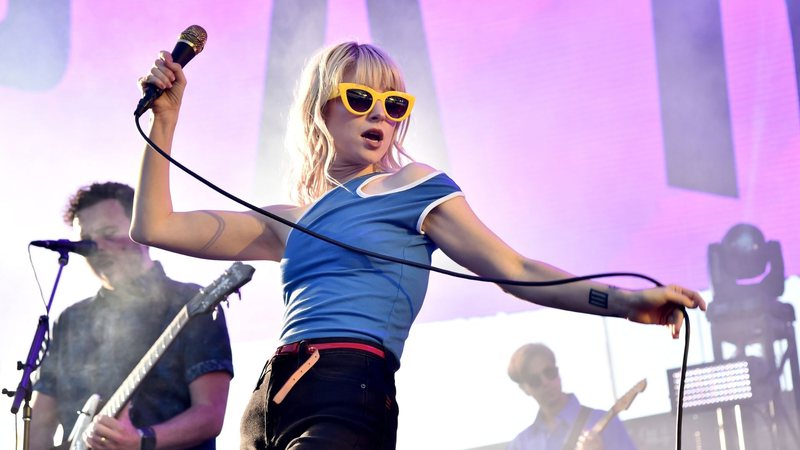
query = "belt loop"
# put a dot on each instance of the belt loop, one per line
(295, 377)
(301, 344)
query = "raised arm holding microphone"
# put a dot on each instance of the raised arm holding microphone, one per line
(330, 385)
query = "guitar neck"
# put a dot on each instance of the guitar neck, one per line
(120, 398)
(622, 404)
(601, 424)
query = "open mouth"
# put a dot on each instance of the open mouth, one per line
(373, 135)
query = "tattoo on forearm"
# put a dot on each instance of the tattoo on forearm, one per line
(598, 298)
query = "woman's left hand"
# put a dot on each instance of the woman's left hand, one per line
(662, 306)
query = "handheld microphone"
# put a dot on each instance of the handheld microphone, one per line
(190, 43)
(83, 248)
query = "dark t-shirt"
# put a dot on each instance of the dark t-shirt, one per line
(97, 342)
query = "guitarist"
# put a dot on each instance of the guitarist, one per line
(561, 420)
(97, 342)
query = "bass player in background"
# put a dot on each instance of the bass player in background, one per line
(98, 341)
(561, 421)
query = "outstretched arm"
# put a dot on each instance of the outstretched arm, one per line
(463, 237)
(205, 234)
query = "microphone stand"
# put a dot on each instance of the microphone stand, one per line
(24, 390)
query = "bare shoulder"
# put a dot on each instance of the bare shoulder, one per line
(409, 174)
(414, 171)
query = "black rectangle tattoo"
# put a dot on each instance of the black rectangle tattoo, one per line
(598, 298)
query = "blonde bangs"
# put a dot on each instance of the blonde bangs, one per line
(373, 68)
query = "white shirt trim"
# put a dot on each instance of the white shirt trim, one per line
(313, 204)
(361, 193)
(434, 204)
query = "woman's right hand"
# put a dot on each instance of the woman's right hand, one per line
(167, 75)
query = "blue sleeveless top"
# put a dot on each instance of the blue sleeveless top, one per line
(332, 292)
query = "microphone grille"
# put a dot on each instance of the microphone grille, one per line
(195, 36)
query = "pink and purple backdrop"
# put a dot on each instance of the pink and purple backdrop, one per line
(549, 118)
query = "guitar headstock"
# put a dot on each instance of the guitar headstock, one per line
(229, 282)
(625, 401)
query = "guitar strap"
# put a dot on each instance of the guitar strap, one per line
(577, 428)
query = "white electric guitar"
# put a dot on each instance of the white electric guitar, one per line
(202, 303)
(622, 404)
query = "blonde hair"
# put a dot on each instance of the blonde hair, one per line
(521, 357)
(308, 138)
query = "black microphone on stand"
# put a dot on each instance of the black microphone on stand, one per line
(84, 248)
(190, 43)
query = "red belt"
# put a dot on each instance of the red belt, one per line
(295, 347)
(313, 348)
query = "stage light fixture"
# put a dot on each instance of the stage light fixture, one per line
(712, 385)
(747, 272)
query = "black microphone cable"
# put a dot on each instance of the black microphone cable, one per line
(372, 254)
(301, 228)
(679, 406)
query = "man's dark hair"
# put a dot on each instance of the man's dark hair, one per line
(97, 192)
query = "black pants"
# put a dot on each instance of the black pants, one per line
(346, 401)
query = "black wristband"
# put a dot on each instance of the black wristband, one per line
(148, 438)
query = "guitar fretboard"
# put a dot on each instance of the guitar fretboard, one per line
(123, 393)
